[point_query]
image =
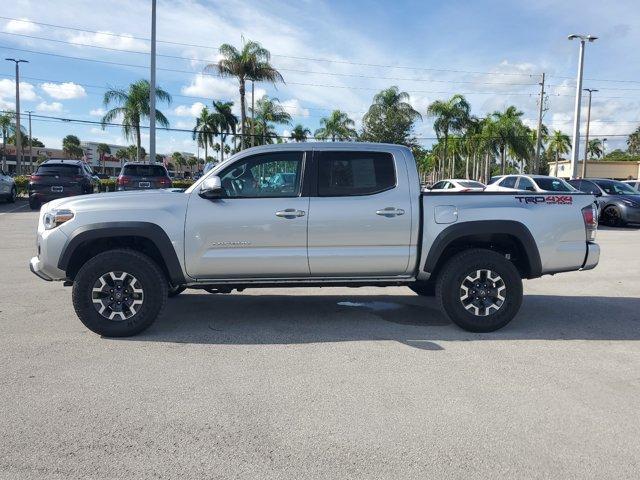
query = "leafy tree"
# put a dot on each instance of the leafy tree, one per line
(451, 116)
(71, 146)
(250, 63)
(300, 133)
(390, 118)
(268, 111)
(103, 149)
(337, 126)
(633, 142)
(559, 144)
(226, 122)
(134, 106)
(205, 130)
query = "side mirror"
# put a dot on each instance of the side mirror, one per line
(211, 188)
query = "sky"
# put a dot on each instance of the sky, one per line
(333, 55)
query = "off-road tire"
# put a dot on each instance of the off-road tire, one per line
(34, 204)
(152, 282)
(462, 266)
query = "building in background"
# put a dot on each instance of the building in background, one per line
(616, 170)
(109, 163)
(39, 154)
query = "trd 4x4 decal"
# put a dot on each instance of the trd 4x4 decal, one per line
(548, 199)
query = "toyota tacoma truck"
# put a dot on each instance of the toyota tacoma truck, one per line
(310, 215)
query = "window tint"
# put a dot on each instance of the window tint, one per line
(526, 184)
(355, 173)
(554, 185)
(59, 169)
(509, 182)
(268, 175)
(470, 184)
(438, 186)
(144, 171)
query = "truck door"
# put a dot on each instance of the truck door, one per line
(259, 228)
(360, 220)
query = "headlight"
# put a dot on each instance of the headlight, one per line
(55, 218)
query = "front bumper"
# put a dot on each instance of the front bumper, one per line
(592, 257)
(34, 266)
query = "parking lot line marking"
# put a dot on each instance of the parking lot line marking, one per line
(13, 209)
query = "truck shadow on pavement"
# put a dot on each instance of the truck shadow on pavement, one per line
(241, 318)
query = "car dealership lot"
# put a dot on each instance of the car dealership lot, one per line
(323, 383)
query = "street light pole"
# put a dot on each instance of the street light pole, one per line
(152, 93)
(536, 162)
(18, 132)
(576, 120)
(586, 138)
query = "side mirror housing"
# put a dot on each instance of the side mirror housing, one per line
(211, 188)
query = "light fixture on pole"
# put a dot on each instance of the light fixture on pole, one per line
(576, 120)
(586, 137)
(18, 61)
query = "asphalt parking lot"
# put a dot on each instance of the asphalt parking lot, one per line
(323, 383)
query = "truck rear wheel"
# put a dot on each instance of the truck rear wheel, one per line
(479, 290)
(119, 293)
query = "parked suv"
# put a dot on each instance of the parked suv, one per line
(60, 178)
(8, 189)
(618, 203)
(142, 176)
(528, 183)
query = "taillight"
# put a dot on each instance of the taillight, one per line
(590, 216)
(124, 180)
(35, 178)
(78, 178)
(165, 181)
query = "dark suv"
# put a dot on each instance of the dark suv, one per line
(142, 176)
(618, 203)
(60, 178)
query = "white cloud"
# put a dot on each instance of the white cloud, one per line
(49, 107)
(186, 111)
(294, 108)
(211, 87)
(64, 91)
(105, 38)
(97, 112)
(22, 25)
(8, 90)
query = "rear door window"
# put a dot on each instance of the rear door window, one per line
(144, 171)
(525, 184)
(509, 182)
(355, 173)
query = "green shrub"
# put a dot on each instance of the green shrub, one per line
(182, 183)
(107, 185)
(22, 182)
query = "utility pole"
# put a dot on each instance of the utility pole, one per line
(604, 141)
(152, 92)
(576, 120)
(18, 132)
(30, 144)
(536, 161)
(586, 138)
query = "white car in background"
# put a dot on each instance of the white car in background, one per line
(528, 183)
(457, 185)
(8, 189)
(633, 184)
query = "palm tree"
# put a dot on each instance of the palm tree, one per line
(337, 126)
(192, 162)
(559, 144)
(8, 128)
(249, 63)
(133, 107)
(103, 149)
(205, 130)
(511, 135)
(71, 146)
(216, 148)
(122, 155)
(594, 148)
(269, 111)
(225, 121)
(633, 142)
(300, 133)
(451, 116)
(177, 159)
(390, 118)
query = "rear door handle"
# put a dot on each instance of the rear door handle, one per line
(390, 212)
(290, 213)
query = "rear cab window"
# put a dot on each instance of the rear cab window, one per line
(355, 173)
(144, 171)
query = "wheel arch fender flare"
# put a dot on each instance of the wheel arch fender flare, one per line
(147, 230)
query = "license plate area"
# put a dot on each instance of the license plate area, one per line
(57, 189)
(144, 184)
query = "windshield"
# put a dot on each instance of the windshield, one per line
(613, 187)
(470, 184)
(144, 171)
(58, 169)
(554, 185)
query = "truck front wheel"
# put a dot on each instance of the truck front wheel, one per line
(479, 290)
(119, 293)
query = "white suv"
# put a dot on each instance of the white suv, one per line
(528, 183)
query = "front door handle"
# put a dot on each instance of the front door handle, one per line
(290, 213)
(390, 212)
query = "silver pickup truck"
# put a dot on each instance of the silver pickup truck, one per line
(310, 215)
